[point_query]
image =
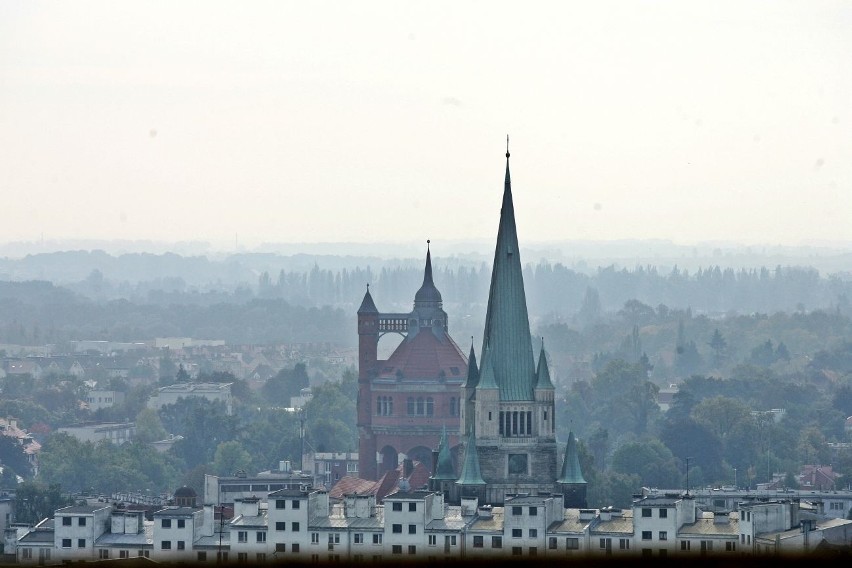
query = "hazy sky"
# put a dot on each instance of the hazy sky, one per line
(375, 121)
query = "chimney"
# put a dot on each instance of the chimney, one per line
(407, 467)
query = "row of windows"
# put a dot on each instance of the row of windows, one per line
(516, 423)
(419, 406)
(167, 545)
(66, 543)
(167, 523)
(260, 536)
(449, 540)
(280, 526)
(517, 511)
(519, 533)
(412, 507)
(496, 541)
(282, 504)
(648, 513)
(68, 521)
(397, 529)
(282, 547)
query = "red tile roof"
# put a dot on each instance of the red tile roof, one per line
(424, 356)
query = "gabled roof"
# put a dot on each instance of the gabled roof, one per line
(507, 326)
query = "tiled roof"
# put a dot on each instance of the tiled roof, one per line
(494, 523)
(349, 485)
(570, 524)
(425, 356)
(38, 536)
(707, 527)
(621, 525)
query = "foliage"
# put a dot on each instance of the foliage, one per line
(35, 501)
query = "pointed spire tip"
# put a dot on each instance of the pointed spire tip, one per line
(507, 146)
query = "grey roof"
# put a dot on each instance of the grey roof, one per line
(707, 527)
(507, 343)
(176, 512)
(570, 523)
(142, 539)
(399, 495)
(213, 541)
(452, 521)
(82, 509)
(493, 523)
(250, 521)
(367, 304)
(290, 493)
(571, 472)
(616, 525)
(38, 536)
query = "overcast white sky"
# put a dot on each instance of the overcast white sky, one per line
(376, 121)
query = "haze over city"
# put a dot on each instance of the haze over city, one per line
(288, 122)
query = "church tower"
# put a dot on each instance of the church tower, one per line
(406, 401)
(508, 411)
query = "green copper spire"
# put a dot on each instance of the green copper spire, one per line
(571, 472)
(428, 295)
(444, 469)
(472, 370)
(543, 372)
(507, 341)
(487, 379)
(470, 474)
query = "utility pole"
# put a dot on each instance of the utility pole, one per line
(687, 476)
(302, 418)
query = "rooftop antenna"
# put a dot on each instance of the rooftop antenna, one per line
(507, 146)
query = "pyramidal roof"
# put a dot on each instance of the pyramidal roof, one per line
(470, 474)
(368, 306)
(472, 370)
(543, 372)
(444, 468)
(571, 472)
(507, 343)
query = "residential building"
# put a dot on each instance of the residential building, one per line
(209, 391)
(115, 432)
(103, 398)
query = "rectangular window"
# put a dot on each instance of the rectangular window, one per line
(730, 546)
(201, 556)
(664, 535)
(396, 529)
(315, 538)
(81, 543)
(412, 529)
(377, 538)
(433, 540)
(664, 513)
(103, 554)
(533, 533)
(551, 543)
(624, 543)
(66, 521)
(166, 545)
(496, 542)
(26, 553)
(517, 511)
(261, 557)
(295, 548)
(296, 503)
(261, 536)
(397, 506)
(647, 535)
(533, 511)
(280, 547)
(412, 507)
(396, 549)
(181, 523)
(572, 543)
(477, 541)
(166, 523)
(123, 554)
(66, 543)
(280, 504)
(81, 522)
(333, 538)
(181, 545)
(294, 527)
(242, 536)
(646, 513)
(684, 545)
(533, 551)
(280, 526)
(412, 549)
(242, 557)
(517, 533)
(517, 551)
(359, 538)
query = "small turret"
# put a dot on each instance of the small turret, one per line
(571, 483)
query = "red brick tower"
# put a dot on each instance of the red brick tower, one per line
(405, 401)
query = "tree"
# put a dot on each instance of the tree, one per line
(635, 312)
(182, 376)
(13, 457)
(286, 384)
(149, 428)
(230, 457)
(718, 344)
(590, 309)
(35, 501)
(651, 460)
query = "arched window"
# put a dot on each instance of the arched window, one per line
(430, 407)
(421, 409)
(411, 409)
